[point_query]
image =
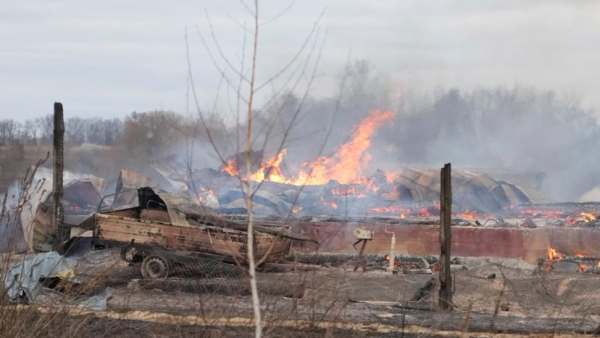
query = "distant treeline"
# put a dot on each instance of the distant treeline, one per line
(519, 129)
(153, 128)
(77, 131)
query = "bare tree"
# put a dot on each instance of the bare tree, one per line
(243, 82)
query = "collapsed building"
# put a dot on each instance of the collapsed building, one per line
(325, 200)
(170, 222)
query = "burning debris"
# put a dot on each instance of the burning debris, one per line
(558, 214)
(340, 185)
(346, 166)
(560, 262)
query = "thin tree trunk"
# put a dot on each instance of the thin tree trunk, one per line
(249, 193)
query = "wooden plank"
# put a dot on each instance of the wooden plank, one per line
(216, 240)
(155, 215)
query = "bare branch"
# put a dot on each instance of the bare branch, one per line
(284, 89)
(296, 113)
(279, 15)
(238, 98)
(196, 101)
(247, 8)
(296, 56)
(338, 105)
(240, 25)
(238, 72)
(215, 63)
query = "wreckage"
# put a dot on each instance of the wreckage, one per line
(161, 230)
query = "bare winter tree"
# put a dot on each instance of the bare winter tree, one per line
(244, 81)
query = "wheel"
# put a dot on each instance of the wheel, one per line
(155, 267)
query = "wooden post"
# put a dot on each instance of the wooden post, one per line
(62, 232)
(445, 293)
(392, 265)
(362, 262)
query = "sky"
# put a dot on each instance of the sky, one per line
(110, 58)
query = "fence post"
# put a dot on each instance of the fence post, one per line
(58, 217)
(445, 275)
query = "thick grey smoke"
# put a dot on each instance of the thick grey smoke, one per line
(518, 130)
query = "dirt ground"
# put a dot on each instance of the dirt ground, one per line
(491, 296)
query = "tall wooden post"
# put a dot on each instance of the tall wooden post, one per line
(62, 232)
(445, 293)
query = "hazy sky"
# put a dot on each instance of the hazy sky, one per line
(109, 58)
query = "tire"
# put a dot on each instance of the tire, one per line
(155, 267)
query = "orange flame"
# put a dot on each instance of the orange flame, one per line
(331, 204)
(553, 254)
(583, 264)
(424, 212)
(587, 217)
(468, 215)
(345, 166)
(231, 168)
(271, 169)
(392, 209)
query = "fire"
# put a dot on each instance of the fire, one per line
(584, 267)
(345, 166)
(231, 168)
(392, 209)
(271, 169)
(391, 176)
(587, 217)
(582, 217)
(553, 254)
(584, 262)
(331, 204)
(468, 215)
(424, 212)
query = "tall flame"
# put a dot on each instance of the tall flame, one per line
(345, 166)
(270, 170)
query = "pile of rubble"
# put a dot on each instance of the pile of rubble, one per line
(406, 193)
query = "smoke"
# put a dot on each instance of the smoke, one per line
(520, 130)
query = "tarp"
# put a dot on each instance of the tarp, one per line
(80, 197)
(22, 280)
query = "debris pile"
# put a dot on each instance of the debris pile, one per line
(559, 262)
